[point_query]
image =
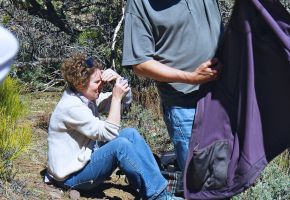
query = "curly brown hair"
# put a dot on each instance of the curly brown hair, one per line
(75, 72)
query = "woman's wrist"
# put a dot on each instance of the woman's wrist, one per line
(116, 99)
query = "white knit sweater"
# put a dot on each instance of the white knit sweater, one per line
(72, 129)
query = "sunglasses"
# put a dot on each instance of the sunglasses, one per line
(89, 62)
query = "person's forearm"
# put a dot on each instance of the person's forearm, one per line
(163, 73)
(115, 111)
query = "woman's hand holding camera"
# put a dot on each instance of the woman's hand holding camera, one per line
(121, 88)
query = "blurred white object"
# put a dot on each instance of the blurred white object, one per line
(8, 50)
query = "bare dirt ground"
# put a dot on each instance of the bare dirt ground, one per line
(31, 165)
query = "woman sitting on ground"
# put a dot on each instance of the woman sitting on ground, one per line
(84, 150)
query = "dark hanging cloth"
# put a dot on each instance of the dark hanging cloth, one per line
(243, 119)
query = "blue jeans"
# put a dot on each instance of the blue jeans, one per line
(132, 155)
(179, 121)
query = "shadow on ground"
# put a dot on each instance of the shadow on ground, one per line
(99, 192)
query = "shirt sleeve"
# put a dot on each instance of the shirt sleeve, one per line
(138, 44)
(82, 120)
(104, 102)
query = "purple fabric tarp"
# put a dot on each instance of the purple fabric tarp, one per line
(243, 119)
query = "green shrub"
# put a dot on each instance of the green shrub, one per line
(15, 134)
(88, 37)
(273, 183)
(283, 161)
(5, 19)
(150, 126)
(10, 103)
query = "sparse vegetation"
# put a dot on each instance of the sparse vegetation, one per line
(273, 183)
(151, 127)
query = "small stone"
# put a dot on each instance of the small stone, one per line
(55, 195)
(74, 195)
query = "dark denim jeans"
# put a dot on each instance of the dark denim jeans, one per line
(132, 155)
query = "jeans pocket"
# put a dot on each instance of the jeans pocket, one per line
(207, 169)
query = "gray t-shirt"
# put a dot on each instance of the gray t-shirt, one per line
(179, 33)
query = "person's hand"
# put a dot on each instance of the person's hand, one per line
(109, 75)
(207, 71)
(121, 88)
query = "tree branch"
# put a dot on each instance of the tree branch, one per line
(50, 14)
(117, 29)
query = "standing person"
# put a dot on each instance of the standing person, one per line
(84, 150)
(174, 42)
